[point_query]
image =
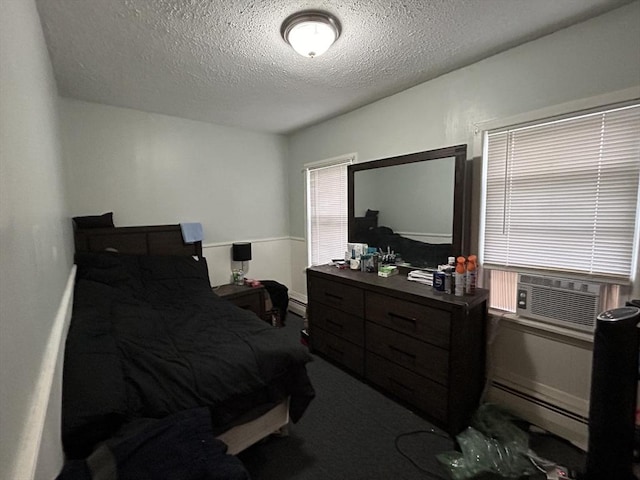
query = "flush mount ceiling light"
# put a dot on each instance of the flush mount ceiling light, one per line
(311, 32)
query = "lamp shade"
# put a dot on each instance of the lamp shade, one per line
(241, 252)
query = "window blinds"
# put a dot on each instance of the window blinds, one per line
(327, 212)
(562, 195)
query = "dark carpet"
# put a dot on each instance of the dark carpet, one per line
(350, 431)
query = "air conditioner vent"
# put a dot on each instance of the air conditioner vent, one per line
(564, 301)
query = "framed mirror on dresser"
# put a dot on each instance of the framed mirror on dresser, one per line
(412, 204)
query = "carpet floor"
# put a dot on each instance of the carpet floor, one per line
(351, 431)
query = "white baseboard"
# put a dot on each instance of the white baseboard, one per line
(523, 366)
(298, 303)
(565, 424)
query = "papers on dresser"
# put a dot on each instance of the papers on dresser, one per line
(421, 276)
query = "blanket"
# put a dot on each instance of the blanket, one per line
(148, 338)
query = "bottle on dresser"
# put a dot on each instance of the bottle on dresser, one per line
(449, 275)
(472, 273)
(460, 276)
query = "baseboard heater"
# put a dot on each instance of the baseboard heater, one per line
(297, 306)
(542, 413)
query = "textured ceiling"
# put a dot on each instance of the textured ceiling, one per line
(224, 62)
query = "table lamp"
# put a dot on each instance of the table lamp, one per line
(241, 253)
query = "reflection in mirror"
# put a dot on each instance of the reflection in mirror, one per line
(410, 204)
(424, 185)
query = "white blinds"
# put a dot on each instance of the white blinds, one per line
(562, 195)
(327, 212)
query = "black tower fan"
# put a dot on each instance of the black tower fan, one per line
(612, 406)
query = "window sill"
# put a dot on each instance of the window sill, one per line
(541, 326)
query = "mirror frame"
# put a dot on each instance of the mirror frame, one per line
(459, 152)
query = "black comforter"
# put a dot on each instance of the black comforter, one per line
(148, 338)
(418, 254)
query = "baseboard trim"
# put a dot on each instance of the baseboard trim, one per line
(298, 303)
(569, 425)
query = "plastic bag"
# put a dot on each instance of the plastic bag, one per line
(492, 444)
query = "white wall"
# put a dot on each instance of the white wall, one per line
(35, 239)
(156, 169)
(270, 260)
(597, 56)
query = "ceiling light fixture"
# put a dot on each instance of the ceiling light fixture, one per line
(310, 32)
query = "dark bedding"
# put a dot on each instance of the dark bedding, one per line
(418, 254)
(180, 446)
(148, 338)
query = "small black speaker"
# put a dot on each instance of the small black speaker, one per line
(612, 406)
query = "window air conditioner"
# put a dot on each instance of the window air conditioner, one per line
(567, 302)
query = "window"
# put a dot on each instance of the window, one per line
(561, 195)
(327, 210)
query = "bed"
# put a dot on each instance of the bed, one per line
(149, 340)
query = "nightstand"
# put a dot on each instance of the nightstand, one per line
(249, 298)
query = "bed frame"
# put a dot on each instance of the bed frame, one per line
(151, 240)
(167, 240)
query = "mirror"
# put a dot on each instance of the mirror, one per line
(410, 204)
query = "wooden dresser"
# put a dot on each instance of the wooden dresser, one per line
(424, 347)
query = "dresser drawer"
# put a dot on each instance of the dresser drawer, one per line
(419, 321)
(428, 396)
(338, 295)
(341, 324)
(338, 349)
(422, 358)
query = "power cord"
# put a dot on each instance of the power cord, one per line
(432, 431)
(552, 470)
(542, 464)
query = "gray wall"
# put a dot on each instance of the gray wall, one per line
(157, 169)
(35, 229)
(588, 59)
(154, 169)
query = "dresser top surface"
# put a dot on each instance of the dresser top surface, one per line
(398, 283)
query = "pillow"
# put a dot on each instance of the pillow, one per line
(94, 221)
(372, 213)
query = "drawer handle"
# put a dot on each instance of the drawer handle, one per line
(393, 381)
(333, 295)
(412, 356)
(402, 317)
(335, 324)
(335, 350)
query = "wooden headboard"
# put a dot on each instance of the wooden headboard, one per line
(149, 240)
